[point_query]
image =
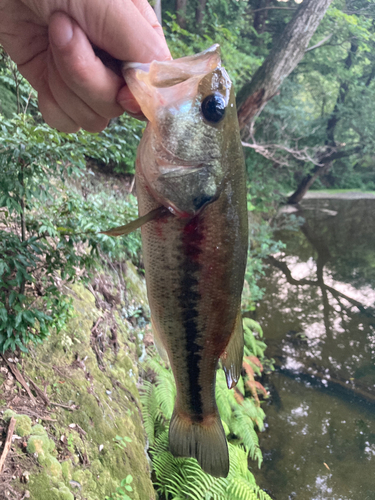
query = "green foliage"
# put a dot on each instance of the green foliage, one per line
(48, 229)
(120, 441)
(239, 64)
(120, 493)
(181, 478)
(22, 320)
(327, 100)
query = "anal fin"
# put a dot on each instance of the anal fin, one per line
(232, 357)
(204, 441)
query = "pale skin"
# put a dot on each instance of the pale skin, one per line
(50, 42)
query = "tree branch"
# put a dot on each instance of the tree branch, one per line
(281, 61)
(8, 442)
(319, 44)
(269, 151)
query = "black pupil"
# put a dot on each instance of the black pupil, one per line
(213, 108)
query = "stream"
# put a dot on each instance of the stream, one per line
(318, 317)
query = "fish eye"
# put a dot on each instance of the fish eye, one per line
(213, 108)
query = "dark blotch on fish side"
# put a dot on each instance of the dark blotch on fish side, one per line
(190, 297)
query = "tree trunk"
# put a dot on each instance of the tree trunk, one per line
(343, 91)
(306, 183)
(157, 9)
(317, 171)
(23, 221)
(199, 13)
(333, 120)
(281, 61)
(181, 12)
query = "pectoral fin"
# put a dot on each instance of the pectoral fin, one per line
(135, 224)
(232, 357)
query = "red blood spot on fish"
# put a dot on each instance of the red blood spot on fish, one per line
(193, 237)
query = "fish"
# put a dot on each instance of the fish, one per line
(190, 172)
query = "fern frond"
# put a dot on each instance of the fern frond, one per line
(262, 494)
(165, 394)
(149, 409)
(250, 343)
(182, 478)
(243, 428)
(253, 325)
(240, 489)
(224, 397)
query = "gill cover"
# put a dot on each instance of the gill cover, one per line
(187, 102)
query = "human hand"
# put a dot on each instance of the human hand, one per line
(50, 42)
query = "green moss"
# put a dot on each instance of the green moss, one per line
(40, 444)
(52, 466)
(136, 289)
(23, 425)
(8, 414)
(23, 422)
(38, 430)
(85, 479)
(66, 469)
(63, 493)
(101, 415)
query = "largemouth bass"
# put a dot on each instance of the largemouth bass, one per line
(190, 161)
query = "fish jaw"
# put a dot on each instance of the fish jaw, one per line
(181, 151)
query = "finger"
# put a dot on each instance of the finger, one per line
(127, 30)
(128, 103)
(80, 69)
(72, 104)
(52, 113)
(149, 14)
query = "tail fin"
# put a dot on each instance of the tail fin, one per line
(204, 441)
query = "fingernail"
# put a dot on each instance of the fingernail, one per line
(131, 106)
(61, 31)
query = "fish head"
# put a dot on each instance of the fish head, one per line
(190, 106)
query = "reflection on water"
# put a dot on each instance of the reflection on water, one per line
(318, 316)
(317, 447)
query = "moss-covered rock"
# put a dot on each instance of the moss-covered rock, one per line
(63, 493)
(38, 430)
(23, 422)
(66, 470)
(136, 289)
(51, 465)
(99, 383)
(40, 444)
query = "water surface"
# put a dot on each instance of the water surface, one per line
(318, 316)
